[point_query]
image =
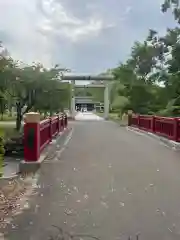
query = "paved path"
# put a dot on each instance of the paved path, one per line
(108, 182)
(88, 116)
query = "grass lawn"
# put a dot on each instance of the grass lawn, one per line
(7, 118)
(8, 125)
(113, 116)
(8, 130)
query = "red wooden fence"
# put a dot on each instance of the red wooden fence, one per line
(165, 126)
(38, 135)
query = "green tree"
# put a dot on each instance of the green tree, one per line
(54, 98)
(24, 85)
(174, 6)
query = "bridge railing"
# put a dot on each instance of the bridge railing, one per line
(38, 134)
(164, 126)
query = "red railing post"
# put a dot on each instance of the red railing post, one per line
(32, 137)
(175, 137)
(50, 129)
(153, 124)
(138, 120)
(59, 123)
(58, 127)
(129, 119)
(65, 120)
(61, 117)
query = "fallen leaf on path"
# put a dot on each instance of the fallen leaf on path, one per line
(104, 204)
(86, 196)
(122, 204)
(26, 205)
(76, 189)
(68, 211)
(163, 214)
(113, 189)
(151, 184)
(158, 210)
(13, 226)
(36, 208)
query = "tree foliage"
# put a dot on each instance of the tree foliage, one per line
(150, 78)
(28, 87)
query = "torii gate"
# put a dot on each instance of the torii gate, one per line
(105, 85)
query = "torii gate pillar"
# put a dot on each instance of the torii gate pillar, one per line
(106, 100)
(73, 100)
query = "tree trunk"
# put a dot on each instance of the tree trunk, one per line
(10, 113)
(19, 116)
(9, 109)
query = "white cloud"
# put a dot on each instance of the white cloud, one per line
(32, 27)
(88, 36)
(61, 22)
(19, 19)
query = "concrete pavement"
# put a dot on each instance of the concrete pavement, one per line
(87, 116)
(107, 182)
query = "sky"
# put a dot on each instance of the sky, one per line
(86, 36)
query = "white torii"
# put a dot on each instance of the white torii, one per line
(102, 79)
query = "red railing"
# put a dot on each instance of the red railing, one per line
(45, 133)
(54, 126)
(51, 127)
(164, 126)
(38, 135)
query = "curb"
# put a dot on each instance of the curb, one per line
(32, 167)
(168, 143)
(11, 177)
